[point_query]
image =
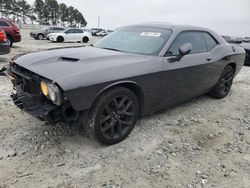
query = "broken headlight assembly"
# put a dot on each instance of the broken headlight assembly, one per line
(52, 92)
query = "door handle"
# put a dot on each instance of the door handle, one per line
(208, 58)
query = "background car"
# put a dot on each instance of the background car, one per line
(4, 45)
(102, 33)
(246, 39)
(227, 38)
(94, 31)
(246, 46)
(237, 40)
(71, 35)
(11, 30)
(41, 34)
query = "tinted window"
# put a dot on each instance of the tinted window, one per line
(195, 38)
(70, 31)
(58, 28)
(3, 23)
(51, 28)
(210, 41)
(79, 31)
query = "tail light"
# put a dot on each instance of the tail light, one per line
(3, 37)
(17, 31)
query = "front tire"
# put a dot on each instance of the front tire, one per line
(40, 36)
(114, 115)
(60, 39)
(222, 88)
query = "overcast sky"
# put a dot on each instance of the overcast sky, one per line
(230, 17)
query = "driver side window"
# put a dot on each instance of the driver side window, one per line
(195, 38)
(70, 31)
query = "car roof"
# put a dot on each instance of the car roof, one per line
(54, 26)
(179, 28)
(166, 25)
(72, 28)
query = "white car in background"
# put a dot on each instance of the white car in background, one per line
(71, 35)
(102, 34)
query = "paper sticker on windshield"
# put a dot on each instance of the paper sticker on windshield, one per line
(150, 34)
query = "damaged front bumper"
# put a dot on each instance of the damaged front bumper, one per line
(29, 98)
(29, 104)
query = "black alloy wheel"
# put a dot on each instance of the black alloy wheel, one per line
(115, 115)
(224, 85)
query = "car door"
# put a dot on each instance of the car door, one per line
(186, 77)
(50, 30)
(79, 35)
(70, 34)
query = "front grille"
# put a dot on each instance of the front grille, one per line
(26, 80)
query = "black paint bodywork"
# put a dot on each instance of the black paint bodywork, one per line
(84, 73)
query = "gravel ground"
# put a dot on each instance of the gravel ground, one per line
(202, 143)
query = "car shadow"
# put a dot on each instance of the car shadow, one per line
(16, 47)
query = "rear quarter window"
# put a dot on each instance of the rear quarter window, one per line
(210, 41)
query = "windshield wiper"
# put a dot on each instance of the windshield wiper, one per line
(112, 49)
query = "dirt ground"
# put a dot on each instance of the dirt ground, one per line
(202, 143)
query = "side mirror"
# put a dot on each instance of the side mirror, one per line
(185, 49)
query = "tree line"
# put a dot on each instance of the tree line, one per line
(45, 12)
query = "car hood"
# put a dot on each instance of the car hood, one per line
(64, 66)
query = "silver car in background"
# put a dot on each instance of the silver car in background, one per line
(41, 34)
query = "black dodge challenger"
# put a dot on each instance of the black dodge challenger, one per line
(134, 71)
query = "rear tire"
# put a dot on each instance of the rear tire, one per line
(60, 39)
(114, 115)
(85, 39)
(222, 88)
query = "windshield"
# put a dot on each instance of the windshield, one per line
(139, 40)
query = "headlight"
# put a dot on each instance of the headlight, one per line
(52, 92)
(44, 88)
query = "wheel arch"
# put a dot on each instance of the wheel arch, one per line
(131, 85)
(8, 35)
(40, 34)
